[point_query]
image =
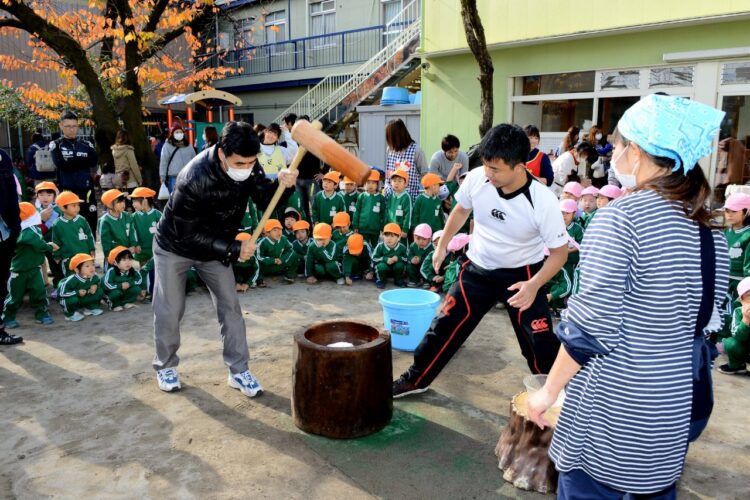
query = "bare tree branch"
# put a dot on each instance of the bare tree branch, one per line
(175, 33)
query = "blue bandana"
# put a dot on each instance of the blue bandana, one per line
(672, 127)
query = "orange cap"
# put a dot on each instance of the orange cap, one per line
(392, 228)
(322, 231)
(374, 176)
(243, 237)
(46, 186)
(333, 177)
(79, 259)
(272, 224)
(355, 243)
(143, 192)
(300, 225)
(341, 219)
(114, 253)
(347, 180)
(27, 209)
(66, 198)
(431, 180)
(400, 173)
(110, 196)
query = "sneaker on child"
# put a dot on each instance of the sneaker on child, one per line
(76, 316)
(246, 383)
(168, 379)
(92, 312)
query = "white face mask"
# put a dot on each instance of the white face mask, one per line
(178, 136)
(598, 137)
(627, 181)
(238, 174)
(204, 138)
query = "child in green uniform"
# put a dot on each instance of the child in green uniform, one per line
(561, 285)
(433, 280)
(398, 210)
(428, 205)
(356, 259)
(122, 283)
(301, 243)
(417, 252)
(323, 257)
(588, 205)
(26, 270)
(737, 345)
(452, 183)
(737, 233)
(389, 257)
(350, 196)
(291, 216)
(143, 224)
(341, 229)
(369, 218)
(246, 273)
(80, 294)
(457, 248)
(71, 233)
(46, 192)
(251, 217)
(114, 224)
(275, 254)
(328, 202)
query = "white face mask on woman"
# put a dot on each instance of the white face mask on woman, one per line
(598, 137)
(178, 136)
(628, 181)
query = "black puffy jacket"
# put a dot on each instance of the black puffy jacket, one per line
(203, 214)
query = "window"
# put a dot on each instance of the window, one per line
(620, 80)
(735, 73)
(244, 33)
(274, 26)
(553, 115)
(322, 17)
(671, 77)
(391, 8)
(561, 83)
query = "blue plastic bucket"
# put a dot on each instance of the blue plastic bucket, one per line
(407, 314)
(395, 95)
(418, 98)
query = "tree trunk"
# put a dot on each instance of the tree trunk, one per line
(478, 45)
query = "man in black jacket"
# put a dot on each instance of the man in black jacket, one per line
(10, 227)
(198, 229)
(75, 160)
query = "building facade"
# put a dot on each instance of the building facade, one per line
(558, 64)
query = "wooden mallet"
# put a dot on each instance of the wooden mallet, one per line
(310, 138)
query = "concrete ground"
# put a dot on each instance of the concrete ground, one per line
(83, 418)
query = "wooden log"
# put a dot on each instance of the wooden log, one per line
(522, 449)
(342, 392)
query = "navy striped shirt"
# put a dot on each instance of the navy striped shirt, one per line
(626, 415)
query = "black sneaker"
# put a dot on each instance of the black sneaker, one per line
(726, 370)
(400, 284)
(380, 284)
(8, 339)
(403, 387)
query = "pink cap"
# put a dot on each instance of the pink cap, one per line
(591, 190)
(569, 206)
(458, 242)
(610, 191)
(573, 188)
(437, 234)
(423, 231)
(737, 201)
(744, 286)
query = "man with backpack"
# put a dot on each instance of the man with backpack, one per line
(39, 160)
(76, 163)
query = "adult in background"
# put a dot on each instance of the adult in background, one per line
(175, 155)
(37, 143)
(515, 217)
(273, 157)
(404, 153)
(10, 228)
(538, 163)
(566, 167)
(127, 171)
(198, 229)
(569, 141)
(652, 278)
(310, 176)
(442, 161)
(76, 163)
(210, 137)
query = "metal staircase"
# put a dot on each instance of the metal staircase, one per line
(334, 99)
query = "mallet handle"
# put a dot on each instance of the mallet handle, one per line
(280, 190)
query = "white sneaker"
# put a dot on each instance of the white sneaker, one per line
(168, 379)
(93, 312)
(76, 316)
(117, 309)
(129, 305)
(340, 281)
(246, 383)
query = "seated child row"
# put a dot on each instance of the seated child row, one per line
(340, 254)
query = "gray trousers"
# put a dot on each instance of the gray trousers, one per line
(169, 307)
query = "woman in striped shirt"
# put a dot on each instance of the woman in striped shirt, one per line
(628, 337)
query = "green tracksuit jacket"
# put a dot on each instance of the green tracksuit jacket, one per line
(324, 207)
(415, 270)
(323, 262)
(380, 257)
(113, 291)
(428, 210)
(268, 251)
(73, 236)
(114, 232)
(357, 265)
(143, 229)
(369, 218)
(26, 274)
(70, 299)
(350, 201)
(398, 210)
